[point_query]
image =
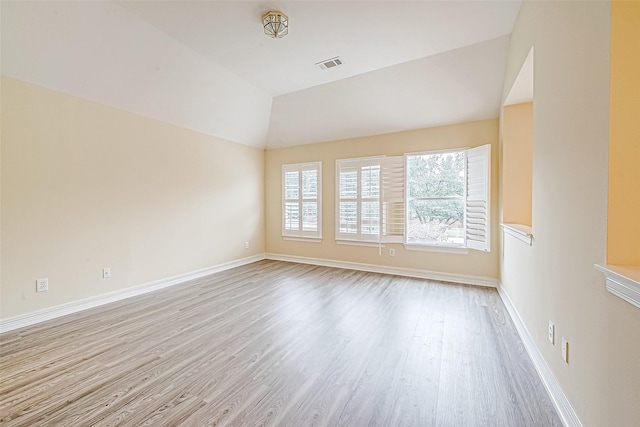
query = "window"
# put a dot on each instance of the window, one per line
(448, 198)
(301, 200)
(370, 199)
(438, 199)
(358, 199)
(435, 198)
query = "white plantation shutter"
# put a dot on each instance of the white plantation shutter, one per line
(370, 200)
(347, 194)
(301, 200)
(392, 199)
(291, 198)
(358, 199)
(477, 209)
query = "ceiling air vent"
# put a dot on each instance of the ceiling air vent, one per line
(329, 63)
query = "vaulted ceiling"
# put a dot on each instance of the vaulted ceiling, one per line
(207, 66)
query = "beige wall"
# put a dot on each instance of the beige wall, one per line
(517, 163)
(85, 186)
(555, 278)
(623, 233)
(455, 136)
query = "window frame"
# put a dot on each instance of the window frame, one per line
(477, 201)
(300, 233)
(435, 245)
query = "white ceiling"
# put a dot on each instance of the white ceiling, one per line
(207, 66)
(457, 86)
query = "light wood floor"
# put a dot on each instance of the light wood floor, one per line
(278, 344)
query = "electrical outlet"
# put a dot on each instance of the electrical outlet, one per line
(552, 329)
(246, 245)
(106, 273)
(392, 252)
(42, 285)
(565, 350)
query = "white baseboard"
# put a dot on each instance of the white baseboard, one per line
(32, 318)
(561, 403)
(409, 272)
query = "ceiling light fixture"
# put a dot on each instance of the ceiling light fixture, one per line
(276, 24)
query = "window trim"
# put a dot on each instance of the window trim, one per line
(364, 243)
(300, 234)
(436, 248)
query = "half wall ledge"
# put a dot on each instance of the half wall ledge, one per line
(623, 281)
(519, 231)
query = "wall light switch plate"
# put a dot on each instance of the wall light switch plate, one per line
(106, 273)
(565, 350)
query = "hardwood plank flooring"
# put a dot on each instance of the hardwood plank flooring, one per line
(278, 344)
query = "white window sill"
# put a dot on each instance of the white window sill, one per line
(360, 243)
(519, 231)
(437, 248)
(303, 239)
(623, 281)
